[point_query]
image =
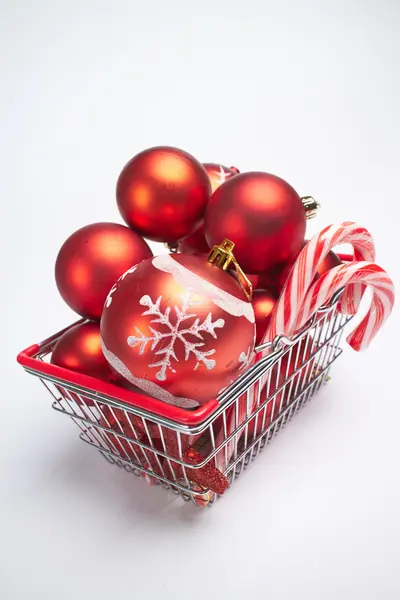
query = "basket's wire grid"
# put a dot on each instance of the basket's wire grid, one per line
(152, 446)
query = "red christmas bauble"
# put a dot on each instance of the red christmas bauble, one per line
(195, 243)
(90, 262)
(179, 328)
(254, 280)
(262, 214)
(263, 302)
(79, 349)
(281, 273)
(218, 174)
(162, 193)
(259, 281)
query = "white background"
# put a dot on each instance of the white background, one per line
(307, 90)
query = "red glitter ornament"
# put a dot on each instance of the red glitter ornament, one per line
(207, 476)
(262, 214)
(162, 193)
(90, 262)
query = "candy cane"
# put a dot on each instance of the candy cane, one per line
(292, 297)
(305, 270)
(365, 273)
(337, 278)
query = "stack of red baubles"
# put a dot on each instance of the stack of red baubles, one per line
(175, 325)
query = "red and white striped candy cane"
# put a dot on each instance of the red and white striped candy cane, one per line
(357, 272)
(305, 270)
(292, 296)
(341, 276)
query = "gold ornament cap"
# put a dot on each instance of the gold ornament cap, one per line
(222, 257)
(311, 206)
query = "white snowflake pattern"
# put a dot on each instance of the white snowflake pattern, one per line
(244, 358)
(114, 287)
(223, 175)
(175, 333)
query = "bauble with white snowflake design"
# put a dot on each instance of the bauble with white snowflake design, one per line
(218, 174)
(179, 327)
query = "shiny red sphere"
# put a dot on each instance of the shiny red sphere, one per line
(91, 260)
(180, 325)
(79, 349)
(218, 174)
(162, 193)
(263, 302)
(195, 243)
(262, 214)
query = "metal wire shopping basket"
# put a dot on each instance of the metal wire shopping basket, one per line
(148, 437)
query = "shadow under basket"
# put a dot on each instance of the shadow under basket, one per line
(148, 437)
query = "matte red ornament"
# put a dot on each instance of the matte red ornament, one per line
(262, 214)
(195, 243)
(79, 349)
(90, 262)
(263, 304)
(254, 280)
(179, 328)
(259, 281)
(218, 174)
(162, 193)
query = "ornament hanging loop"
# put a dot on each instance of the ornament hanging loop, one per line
(172, 247)
(311, 206)
(222, 256)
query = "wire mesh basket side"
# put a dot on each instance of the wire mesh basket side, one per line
(158, 451)
(293, 380)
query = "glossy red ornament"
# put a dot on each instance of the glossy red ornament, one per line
(79, 349)
(263, 302)
(195, 243)
(179, 328)
(262, 214)
(218, 174)
(281, 273)
(162, 193)
(90, 262)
